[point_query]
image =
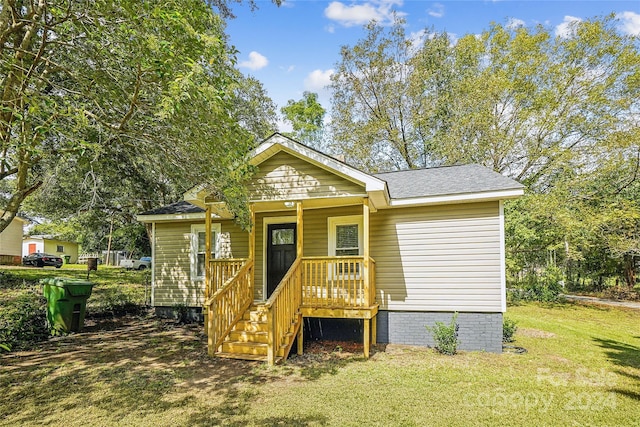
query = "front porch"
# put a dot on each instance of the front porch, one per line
(239, 326)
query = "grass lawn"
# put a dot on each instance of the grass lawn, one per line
(114, 288)
(582, 368)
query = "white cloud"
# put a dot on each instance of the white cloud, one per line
(360, 14)
(629, 23)
(418, 38)
(256, 61)
(318, 80)
(515, 23)
(437, 10)
(565, 29)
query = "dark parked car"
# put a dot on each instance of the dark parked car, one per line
(38, 259)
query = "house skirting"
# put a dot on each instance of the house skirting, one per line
(477, 331)
(181, 312)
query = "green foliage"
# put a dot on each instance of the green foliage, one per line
(23, 321)
(509, 328)
(115, 301)
(446, 336)
(374, 104)
(555, 113)
(125, 106)
(307, 118)
(23, 309)
(543, 287)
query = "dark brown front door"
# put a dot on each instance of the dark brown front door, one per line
(281, 253)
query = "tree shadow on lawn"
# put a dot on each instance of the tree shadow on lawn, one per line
(620, 353)
(143, 366)
(626, 356)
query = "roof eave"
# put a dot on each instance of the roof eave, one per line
(171, 217)
(443, 199)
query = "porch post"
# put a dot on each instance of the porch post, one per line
(299, 225)
(366, 266)
(365, 251)
(252, 245)
(206, 311)
(299, 254)
(207, 253)
(367, 337)
(252, 231)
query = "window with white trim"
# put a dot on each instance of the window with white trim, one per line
(345, 235)
(198, 248)
(345, 239)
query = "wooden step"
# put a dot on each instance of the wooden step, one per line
(240, 356)
(248, 336)
(255, 316)
(251, 326)
(250, 357)
(244, 348)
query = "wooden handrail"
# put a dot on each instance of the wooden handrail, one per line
(228, 304)
(283, 310)
(220, 271)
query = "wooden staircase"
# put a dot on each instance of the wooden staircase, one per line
(249, 338)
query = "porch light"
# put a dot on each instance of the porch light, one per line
(289, 204)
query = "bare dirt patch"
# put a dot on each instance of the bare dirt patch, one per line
(535, 333)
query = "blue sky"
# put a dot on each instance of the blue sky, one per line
(294, 47)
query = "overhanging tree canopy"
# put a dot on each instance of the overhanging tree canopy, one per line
(100, 90)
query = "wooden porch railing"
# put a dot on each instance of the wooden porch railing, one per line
(337, 282)
(283, 311)
(220, 271)
(227, 305)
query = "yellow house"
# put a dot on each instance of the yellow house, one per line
(50, 245)
(11, 242)
(382, 255)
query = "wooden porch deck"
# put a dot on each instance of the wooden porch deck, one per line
(327, 287)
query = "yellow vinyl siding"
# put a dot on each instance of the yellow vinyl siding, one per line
(284, 176)
(69, 248)
(315, 234)
(11, 239)
(173, 284)
(440, 258)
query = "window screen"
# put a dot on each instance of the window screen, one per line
(347, 240)
(202, 240)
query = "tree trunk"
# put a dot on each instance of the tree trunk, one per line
(630, 270)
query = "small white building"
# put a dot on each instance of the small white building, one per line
(50, 245)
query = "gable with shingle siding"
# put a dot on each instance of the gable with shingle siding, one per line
(287, 177)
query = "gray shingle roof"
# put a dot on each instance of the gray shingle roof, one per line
(447, 180)
(408, 184)
(181, 207)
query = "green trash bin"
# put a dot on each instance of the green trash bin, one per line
(66, 302)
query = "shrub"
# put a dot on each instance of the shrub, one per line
(115, 301)
(446, 336)
(545, 287)
(509, 328)
(182, 313)
(23, 322)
